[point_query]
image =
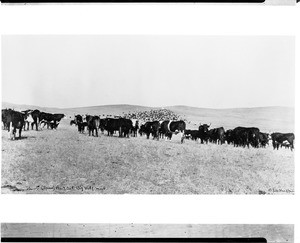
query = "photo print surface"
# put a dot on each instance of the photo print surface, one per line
(148, 114)
(147, 233)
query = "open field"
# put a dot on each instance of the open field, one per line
(267, 119)
(64, 161)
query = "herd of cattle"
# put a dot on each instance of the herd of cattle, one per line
(13, 120)
(239, 136)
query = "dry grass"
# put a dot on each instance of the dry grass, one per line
(64, 161)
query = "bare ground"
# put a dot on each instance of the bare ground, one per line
(64, 161)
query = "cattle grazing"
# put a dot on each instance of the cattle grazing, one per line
(35, 114)
(203, 134)
(93, 124)
(122, 125)
(229, 136)
(48, 118)
(253, 135)
(80, 123)
(239, 137)
(263, 139)
(111, 125)
(126, 127)
(142, 129)
(286, 144)
(135, 127)
(187, 133)
(283, 139)
(169, 127)
(163, 133)
(54, 124)
(217, 135)
(102, 125)
(192, 134)
(51, 124)
(195, 135)
(245, 136)
(4, 118)
(58, 116)
(152, 128)
(15, 120)
(28, 118)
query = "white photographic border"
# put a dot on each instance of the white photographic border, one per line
(155, 19)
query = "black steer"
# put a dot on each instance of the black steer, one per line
(152, 128)
(203, 132)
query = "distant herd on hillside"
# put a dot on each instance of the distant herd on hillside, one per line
(159, 124)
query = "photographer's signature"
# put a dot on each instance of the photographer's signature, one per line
(68, 188)
(281, 190)
(56, 188)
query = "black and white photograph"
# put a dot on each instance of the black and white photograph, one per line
(148, 114)
(188, 233)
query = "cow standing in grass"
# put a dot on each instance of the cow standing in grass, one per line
(142, 130)
(263, 139)
(93, 124)
(102, 121)
(4, 118)
(80, 124)
(135, 127)
(173, 127)
(52, 120)
(111, 125)
(152, 128)
(15, 120)
(203, 132)
(122, 125)
(35, 114)
(283, 139)
(246, 136)
(229, 136)
(217, 135)
(192, 134)
(28, 119)
(126, 127)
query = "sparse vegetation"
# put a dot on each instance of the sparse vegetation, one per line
(65, 161)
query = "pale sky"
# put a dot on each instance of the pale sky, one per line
(200, 71)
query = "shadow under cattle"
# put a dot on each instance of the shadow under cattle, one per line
(24, 137)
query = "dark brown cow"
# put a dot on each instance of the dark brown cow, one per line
(14, 120)
(217, 135)
(283, 139)
(93, 124)
(4, 118)
(152, 128)
(48, 118)
(35, 114)
(123, 125)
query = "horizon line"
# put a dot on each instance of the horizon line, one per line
(146, 106)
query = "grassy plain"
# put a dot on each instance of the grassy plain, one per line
(64, 161)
